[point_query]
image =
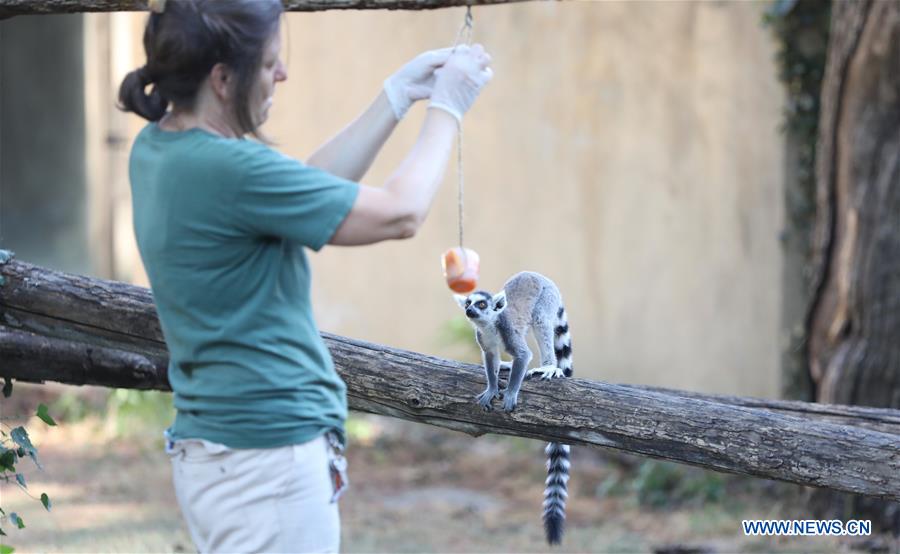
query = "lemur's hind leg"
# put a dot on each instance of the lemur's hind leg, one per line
(549, 369)
(506, 367)
(491, 370)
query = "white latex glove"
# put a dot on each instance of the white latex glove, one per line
(460, 80)
(414, 80)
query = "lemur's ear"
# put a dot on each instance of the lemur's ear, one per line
(461, 300)
(499, 301)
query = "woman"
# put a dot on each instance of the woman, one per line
(222, 224)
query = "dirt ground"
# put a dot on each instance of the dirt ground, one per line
(415, 488)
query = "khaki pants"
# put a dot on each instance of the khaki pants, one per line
(256, 500)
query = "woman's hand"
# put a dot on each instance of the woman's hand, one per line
(414, 81)
(460, 79)
(350, 153)
(397, 210)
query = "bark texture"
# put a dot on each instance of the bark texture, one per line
(10, 8)
(78, 330)
(854, 320)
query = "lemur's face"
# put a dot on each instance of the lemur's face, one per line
(482, 308)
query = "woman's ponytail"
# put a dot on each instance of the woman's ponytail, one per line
(134, 98)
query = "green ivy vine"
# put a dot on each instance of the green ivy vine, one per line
(15, 445)
(801, 28)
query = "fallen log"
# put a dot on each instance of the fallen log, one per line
(116, 368)
(79, 330)
(122, 317)
(10, 8)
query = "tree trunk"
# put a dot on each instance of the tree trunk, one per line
(854, 319)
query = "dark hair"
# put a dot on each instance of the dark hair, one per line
(186, 40)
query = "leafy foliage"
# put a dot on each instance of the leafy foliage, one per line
(20, 437)
(16, 520)
(15, 446)
(457, 331)
(801, 28)
(44, 416)
(136, 412)
(659, 484)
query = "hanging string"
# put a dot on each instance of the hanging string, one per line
(467, 29)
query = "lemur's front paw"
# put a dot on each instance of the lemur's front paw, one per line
(510, 400)
(484, 399)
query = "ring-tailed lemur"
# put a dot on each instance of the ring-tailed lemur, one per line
(528, 301)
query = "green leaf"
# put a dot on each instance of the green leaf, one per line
(4, 549)
(2, 512)
(7, 387)
(45, 500)
(20, 436)
(3, 533)
(21, 480)
(45, 417)
(8, 460)
(16, 520)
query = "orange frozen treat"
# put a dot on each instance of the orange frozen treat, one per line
(461, 269)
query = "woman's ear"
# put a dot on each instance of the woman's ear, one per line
(220, 78)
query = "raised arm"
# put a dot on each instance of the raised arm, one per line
(396, 210)
(350, 153)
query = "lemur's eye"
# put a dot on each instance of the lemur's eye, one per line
(468, 303)
(481, 305)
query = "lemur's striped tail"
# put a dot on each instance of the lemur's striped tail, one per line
(556, 493)
(562, 343)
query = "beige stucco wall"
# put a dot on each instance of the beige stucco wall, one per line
(628, 150)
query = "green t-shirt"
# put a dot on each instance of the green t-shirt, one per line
(221, 225)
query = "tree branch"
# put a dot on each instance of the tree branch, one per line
(79, 330)
(10, 8)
